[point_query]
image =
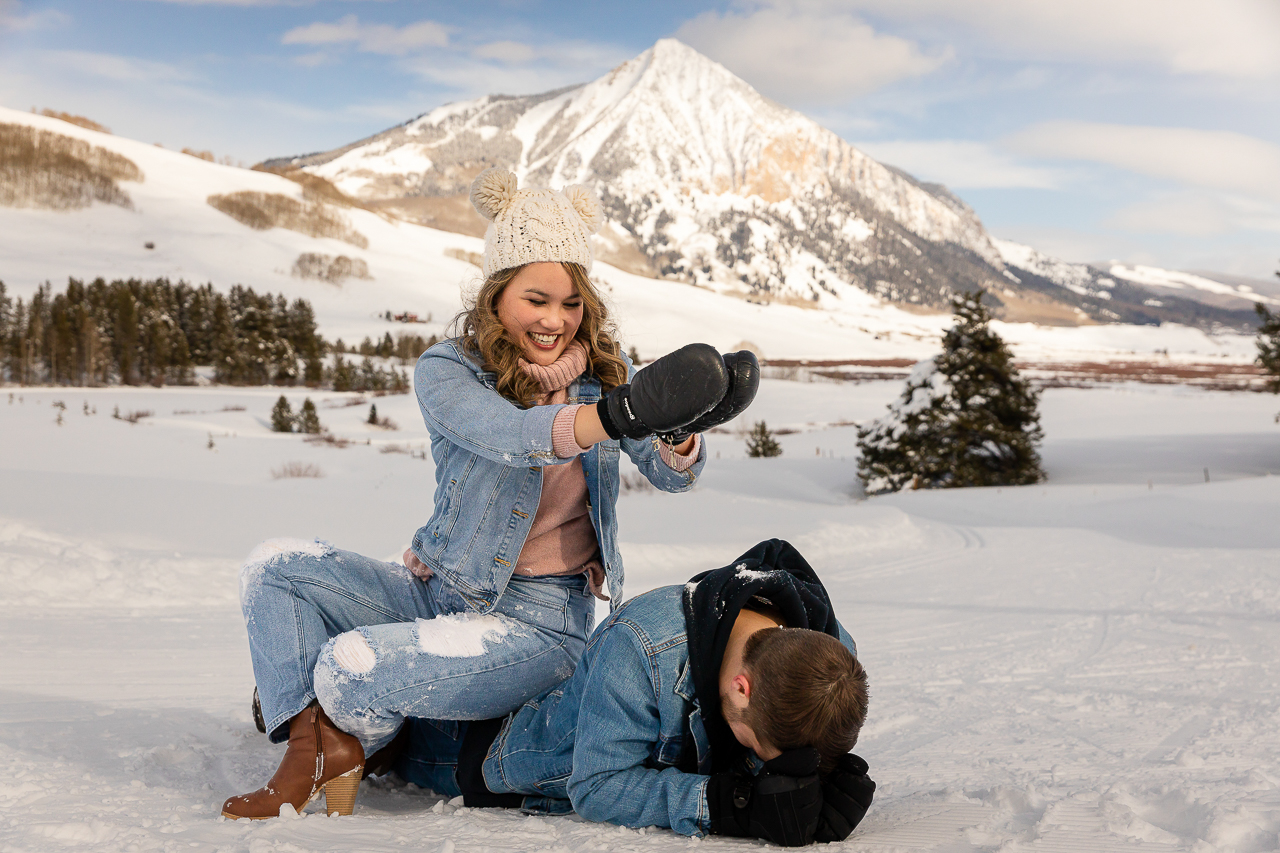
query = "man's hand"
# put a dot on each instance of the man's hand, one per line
(413, 564)
(782, 804)
(846, 796)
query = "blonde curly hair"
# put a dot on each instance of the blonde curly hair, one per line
(481, 333)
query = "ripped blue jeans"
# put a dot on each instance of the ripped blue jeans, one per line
(375, 644)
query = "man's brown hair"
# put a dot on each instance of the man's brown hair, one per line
(807, 689)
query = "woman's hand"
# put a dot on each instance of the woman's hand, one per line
(666, 394)
(587, 430)
(413, 564)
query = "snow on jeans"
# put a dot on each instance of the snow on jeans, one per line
(375, 644)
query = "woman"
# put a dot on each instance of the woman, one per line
(528, 410)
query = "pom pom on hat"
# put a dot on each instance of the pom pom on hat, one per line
(529, 226)
(492, 192)
(588, 206)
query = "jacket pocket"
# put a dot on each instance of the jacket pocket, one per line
(667, 751)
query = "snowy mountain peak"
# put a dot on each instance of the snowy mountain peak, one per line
(706, 181)
(703, 179)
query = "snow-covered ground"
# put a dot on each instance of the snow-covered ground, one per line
(1086, 665)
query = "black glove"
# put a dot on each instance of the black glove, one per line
(666, 394)
(782, 804)
(744, 382)
(846, 796)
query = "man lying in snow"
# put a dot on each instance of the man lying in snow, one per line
(725, 706)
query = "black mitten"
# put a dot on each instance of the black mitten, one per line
(666, 394)
(744, 382)
(846, 796)
(782, 804)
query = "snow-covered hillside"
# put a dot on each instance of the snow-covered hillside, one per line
(1102, 285)
(420, 269)
(1085, 665)
(1199, 287)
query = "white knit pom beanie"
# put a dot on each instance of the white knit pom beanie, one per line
(531, 225)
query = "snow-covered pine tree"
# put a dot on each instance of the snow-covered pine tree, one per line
(309, 418)
(373, 414)
(761, 442)
(965, 418)
(282, 416)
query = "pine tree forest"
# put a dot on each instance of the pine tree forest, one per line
(157, 332)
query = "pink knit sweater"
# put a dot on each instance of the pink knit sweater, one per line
(562, 540)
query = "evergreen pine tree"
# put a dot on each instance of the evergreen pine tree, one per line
(1269, 345)
(373, 414)
(313, 371)
(282, 416)
(5, 303)
(308, 418)
(761, 441)
(343, 375)
(965, 418)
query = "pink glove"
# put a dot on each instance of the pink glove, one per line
(413, 564)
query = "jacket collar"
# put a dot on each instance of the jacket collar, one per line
(773, 571)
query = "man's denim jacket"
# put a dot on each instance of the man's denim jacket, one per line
(489, 455)
(614, 738)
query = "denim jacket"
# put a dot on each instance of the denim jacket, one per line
(489, 455)
(623, 739)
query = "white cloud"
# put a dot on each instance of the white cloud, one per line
(505, 51)
(960, 164)
(372, 38)
(473, 78)
(13, 20)
(123, 69)
(257, 2)
(794, 52)
(1197, 214)
(510, 67)
(1214, 159)
(1234, 38)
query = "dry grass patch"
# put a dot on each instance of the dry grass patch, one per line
(291, 470)
(133, 417)
(334, 270)
(39, 168)
(78, 121)
(328, 439)
(263, 211)
(317, 188)
(474, 258)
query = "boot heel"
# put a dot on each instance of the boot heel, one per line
(340, 793)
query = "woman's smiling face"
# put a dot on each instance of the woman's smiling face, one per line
(541, 309)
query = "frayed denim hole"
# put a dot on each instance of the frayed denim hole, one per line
(353, 654)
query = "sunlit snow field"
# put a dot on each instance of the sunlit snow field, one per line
(1086, 665)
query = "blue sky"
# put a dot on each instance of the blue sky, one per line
(1142, 130)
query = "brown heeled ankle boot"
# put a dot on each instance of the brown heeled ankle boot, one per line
(320, 757)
